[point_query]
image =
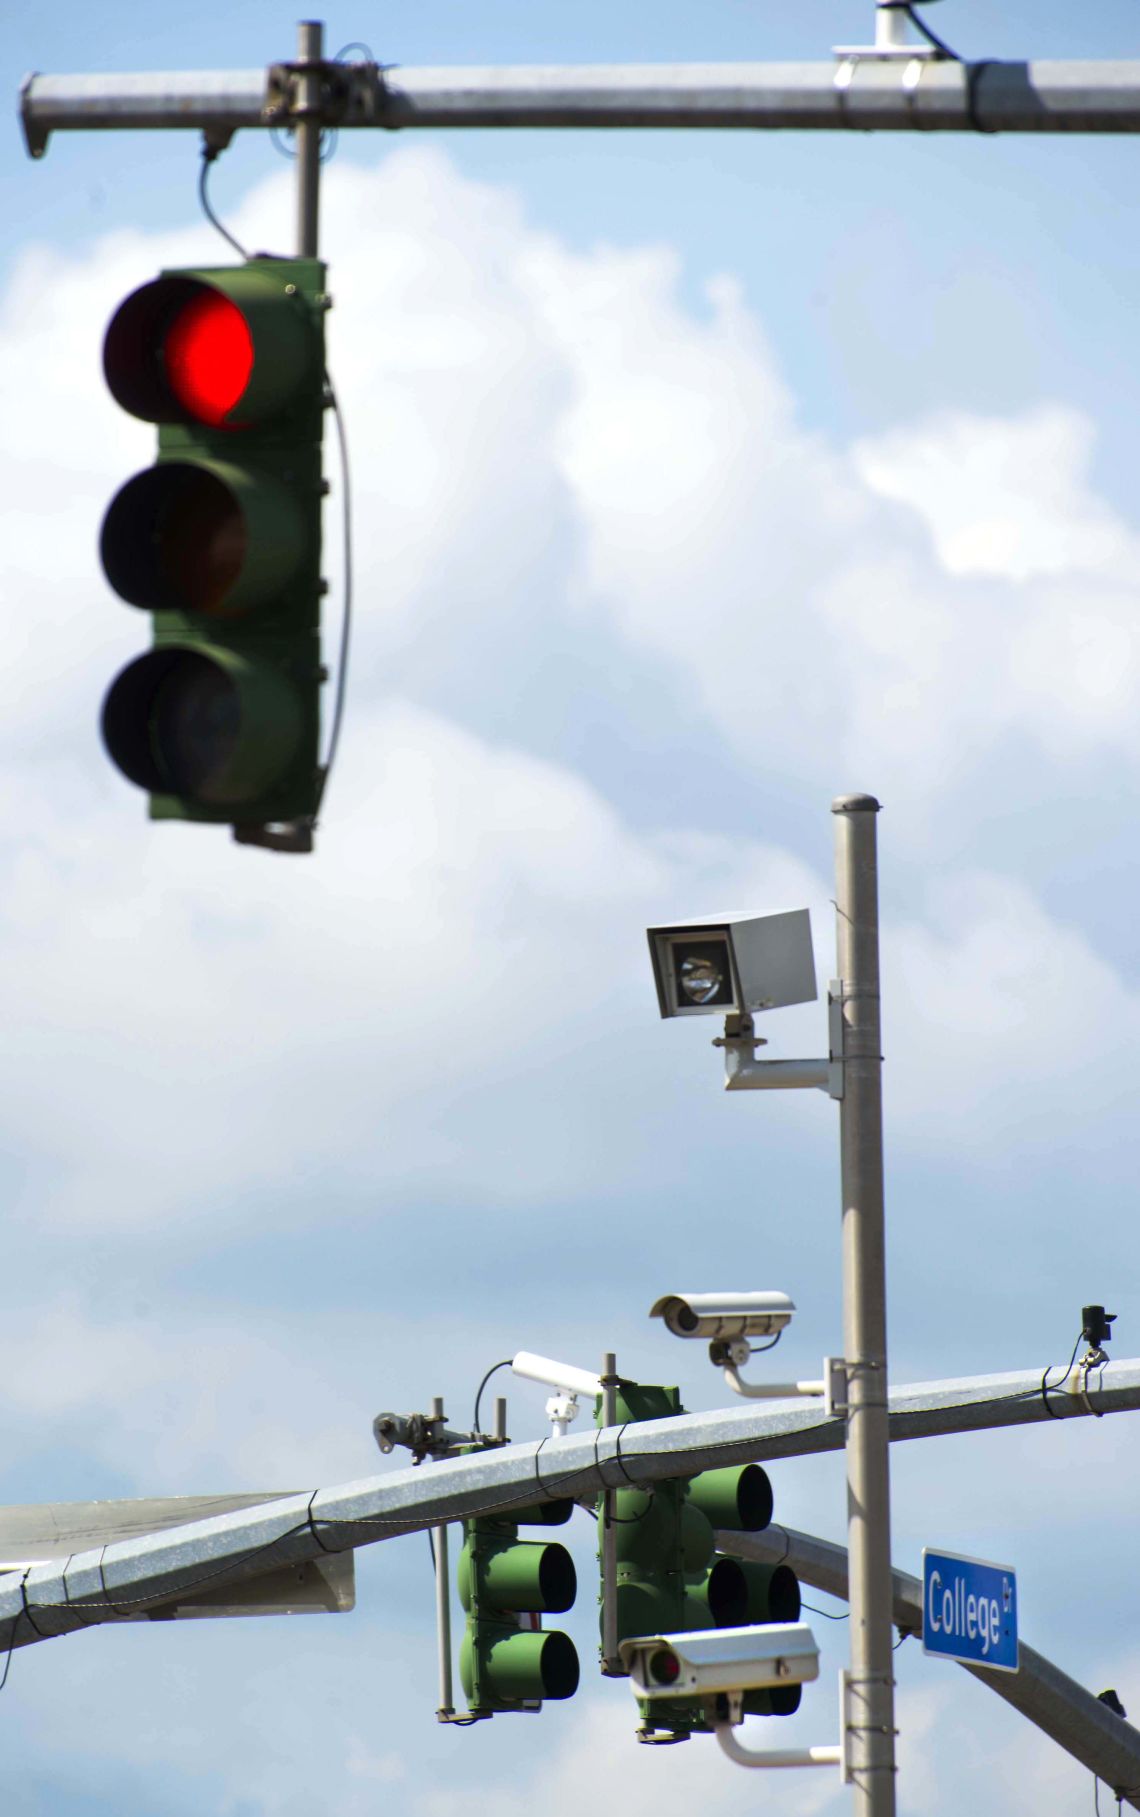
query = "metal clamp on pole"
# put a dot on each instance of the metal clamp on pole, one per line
(344, 94)
(835, 1387)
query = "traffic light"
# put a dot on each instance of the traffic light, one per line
(220, 541)
(671, 1579)
(773, 1593)
(506, 1660)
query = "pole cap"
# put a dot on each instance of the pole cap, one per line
(855, 804)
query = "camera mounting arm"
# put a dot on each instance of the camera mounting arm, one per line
(730, 1355)
(744, 1072)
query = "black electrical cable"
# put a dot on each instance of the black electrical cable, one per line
(346, 613)
(973, 71)
(329, 139)
(550, 1488)
(210, 155)
(762, 1349)
(505, 1364)
(920, 25)
(828, 1614)
(1055, 1387)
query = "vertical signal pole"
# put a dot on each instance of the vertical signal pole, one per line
(442, 1596)
(611, 1660)
(869, 1714)
(307, 113)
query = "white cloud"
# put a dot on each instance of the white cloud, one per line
(1008, 497)
(551, 451)
(535, 434)
(474, 917)
(1008, 1023)
(546, 436)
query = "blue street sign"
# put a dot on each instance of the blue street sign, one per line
(969, 1610)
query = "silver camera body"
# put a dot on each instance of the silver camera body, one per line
(715, 1662)
(724, 1315)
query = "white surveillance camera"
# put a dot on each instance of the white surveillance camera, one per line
(724, 1315)
(733, 962)
(564, 1376)
(716, 1661)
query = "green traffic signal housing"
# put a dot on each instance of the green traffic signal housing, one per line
(220, 541)
(506, 1660)
(671, 1579)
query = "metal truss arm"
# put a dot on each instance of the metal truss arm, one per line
(105, 1578)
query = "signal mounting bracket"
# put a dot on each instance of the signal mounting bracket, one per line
(350, 94)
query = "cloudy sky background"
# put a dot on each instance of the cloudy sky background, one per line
(697, 479)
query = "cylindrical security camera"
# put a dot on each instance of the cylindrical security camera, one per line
(724, 1315)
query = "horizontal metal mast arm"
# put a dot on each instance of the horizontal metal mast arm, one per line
(219, 100)
(923, 94)
(32, 1532)
(1063, 1709)
(119, 1579)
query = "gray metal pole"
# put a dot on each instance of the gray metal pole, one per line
(442, 1602)
(611, 1662)
(443, 1619)
(870, 1714)
(310, 50)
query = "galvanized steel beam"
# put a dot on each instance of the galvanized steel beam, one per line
(854, 93)
(121, 1579)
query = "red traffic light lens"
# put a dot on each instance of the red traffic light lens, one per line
(208, 352)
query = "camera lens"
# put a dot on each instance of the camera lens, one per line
(700, 978)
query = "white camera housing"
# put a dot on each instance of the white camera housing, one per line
(564, 1376)
(716, 964)
(719, 1661)
(724, 1315)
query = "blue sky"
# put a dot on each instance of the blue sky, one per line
(698, 478)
